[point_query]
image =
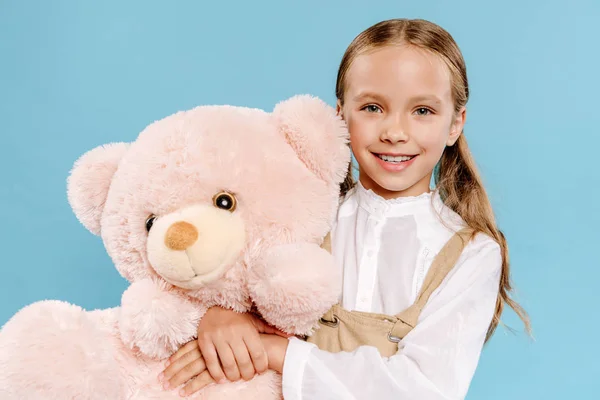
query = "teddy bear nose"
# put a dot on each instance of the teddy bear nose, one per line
(181, 235)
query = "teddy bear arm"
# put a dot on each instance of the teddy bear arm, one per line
(156, 320)
(294, 285)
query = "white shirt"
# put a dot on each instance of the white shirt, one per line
(385, 248)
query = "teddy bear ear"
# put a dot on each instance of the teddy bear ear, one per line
(89, 181)
(317, 134)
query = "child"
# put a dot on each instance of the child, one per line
(425, 273)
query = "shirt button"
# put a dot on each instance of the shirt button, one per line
(370, 253)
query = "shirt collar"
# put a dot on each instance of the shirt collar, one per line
(375, 204)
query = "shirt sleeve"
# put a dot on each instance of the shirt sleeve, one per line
(436, 360)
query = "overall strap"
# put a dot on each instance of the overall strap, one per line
(326, 245)
(440, 267)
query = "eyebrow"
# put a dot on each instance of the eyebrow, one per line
(419, 99)
(367, 95)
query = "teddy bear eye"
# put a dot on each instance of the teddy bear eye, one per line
(225, 201)
(150, 222)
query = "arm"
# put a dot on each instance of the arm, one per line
(276, 347)
(155, 320)
(294, 285)
(436, 360)
(224, 337)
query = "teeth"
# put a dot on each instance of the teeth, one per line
(394, 159)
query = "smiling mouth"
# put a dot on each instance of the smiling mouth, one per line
(394, 159)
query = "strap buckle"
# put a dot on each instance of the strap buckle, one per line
(331, 324)
(392, 338)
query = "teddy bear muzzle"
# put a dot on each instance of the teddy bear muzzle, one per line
(195, 246)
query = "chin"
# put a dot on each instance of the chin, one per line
(393, 190)
(396, 187)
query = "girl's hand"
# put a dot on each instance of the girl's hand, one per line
(187, 365)
(231, 339)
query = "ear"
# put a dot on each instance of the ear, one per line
(317, 134)
(457, 127)
(89, 181)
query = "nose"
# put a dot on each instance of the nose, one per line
(181, 235)
(394, 132)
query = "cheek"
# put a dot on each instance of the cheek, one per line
(124, 235)
(361, 131)
(432, 138)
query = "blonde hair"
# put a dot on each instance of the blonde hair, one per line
(456, 177)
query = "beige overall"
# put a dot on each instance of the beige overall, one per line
(342, 330)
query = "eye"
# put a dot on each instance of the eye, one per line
(225, 201)
(372, 108)
(150, 222)
(423, 111)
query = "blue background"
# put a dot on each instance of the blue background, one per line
(74, 75)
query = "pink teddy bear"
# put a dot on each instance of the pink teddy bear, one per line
(219, 205)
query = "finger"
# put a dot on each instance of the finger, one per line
(211, 359)
(196, 384)
(242, 358)
(227, 359)
(257, 353)
(274, 331)
(191, 345)
(194, 368)
(280, 333)
(180, 363)
(263, 327)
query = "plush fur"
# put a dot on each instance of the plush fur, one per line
(238, 201)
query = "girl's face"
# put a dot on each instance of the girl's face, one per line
(399, 110)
